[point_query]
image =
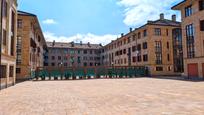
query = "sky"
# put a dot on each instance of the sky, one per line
(94, 21)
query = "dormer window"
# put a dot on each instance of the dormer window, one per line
(39, 39)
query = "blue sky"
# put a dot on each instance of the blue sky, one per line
(95, 21)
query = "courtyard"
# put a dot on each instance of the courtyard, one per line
(138, 96)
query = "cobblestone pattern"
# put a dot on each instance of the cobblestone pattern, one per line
(140, 96)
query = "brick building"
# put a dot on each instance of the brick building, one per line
(72, 54)
(193, 36)
(157, 45)
(8, 43)
(31, 45)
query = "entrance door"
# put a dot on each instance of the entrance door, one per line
(193, 70)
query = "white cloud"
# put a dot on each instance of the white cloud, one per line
(49, 21)
(137, 12)
(85, 38)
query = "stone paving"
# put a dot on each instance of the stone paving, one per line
(139, 96)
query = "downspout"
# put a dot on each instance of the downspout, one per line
(1, 9)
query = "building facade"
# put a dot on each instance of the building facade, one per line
(157, 45)
(192, 12)
(31, 45)
(72, 54)
(8, 42)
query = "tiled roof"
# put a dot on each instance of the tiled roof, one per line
(76, 45)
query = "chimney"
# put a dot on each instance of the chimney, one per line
(72, 43)
(149, 22)
(53, 43)
(89, 44)
(162, 16)
(122, 34)
(173, 18)
(130, 29)
(81, 43)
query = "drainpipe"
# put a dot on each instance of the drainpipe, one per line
(1, 39)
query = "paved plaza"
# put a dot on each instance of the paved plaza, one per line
(139, 96)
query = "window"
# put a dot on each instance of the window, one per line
(85, 64)
(144, 45)
(11, 71)
(91, 52)
(20, 23)
(202, 25)
(4, 37)
(12, 43)
(124, 41)
(124, 51)
(167, 32)
(145, 33)
(39, 39)
(159, 68)
(85, 51)
(158, 52)
(91, 58)
(125, 61)
(65, 64)
(53, 57)
(3, 71)
(188, 11)
(79, 60)
(133, 37)
(19, 52)
(168, 57)
(139, 58)
(134, 59)
(190, 41)
(158, 58)
(201, 5)
(53, 64)
(45, 64)
(65, 58)
(79, 51)
(84, 58)
(59, 57)
(18, 70)
(167, 45)
(158, 46)
(157, 31)
(169, 68)
(129, 39)
(139, 47)
(139, 35)
(91, 64)
(133, 48)
(5, 8)
(145, 58)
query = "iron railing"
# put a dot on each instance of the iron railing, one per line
(49, 73)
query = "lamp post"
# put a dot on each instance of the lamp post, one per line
(1, 10)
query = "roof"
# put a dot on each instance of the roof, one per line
(164, 22)
(76, 45)
(159, 22)
(25, 13)
(177, 5)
